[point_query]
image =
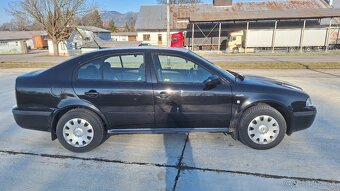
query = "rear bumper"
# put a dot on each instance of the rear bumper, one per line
(302, 120)
(35, 120)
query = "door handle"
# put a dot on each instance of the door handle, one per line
(163, 95)
(92, 93)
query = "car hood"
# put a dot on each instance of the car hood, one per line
(258, 80)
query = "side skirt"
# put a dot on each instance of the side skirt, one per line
(167, 130)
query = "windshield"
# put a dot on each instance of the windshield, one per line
(225, 72)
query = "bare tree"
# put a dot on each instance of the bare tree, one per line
(180, 1)
(54, 16)
(7, 26)
(20, 24)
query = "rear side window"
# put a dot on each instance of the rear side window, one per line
(90, 71)
(114, 68)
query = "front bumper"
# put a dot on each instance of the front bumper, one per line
(35, 120)
(302, 120)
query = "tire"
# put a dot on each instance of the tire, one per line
(262, 127)
(292, 49)
(257, 50)
(80, 130)
(308, 49)
(236, 50)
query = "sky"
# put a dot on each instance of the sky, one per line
(122, 6)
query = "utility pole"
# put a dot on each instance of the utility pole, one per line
(329, 30)
(168, 23)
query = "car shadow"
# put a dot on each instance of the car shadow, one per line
(185, 151)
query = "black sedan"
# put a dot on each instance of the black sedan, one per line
(153, 90)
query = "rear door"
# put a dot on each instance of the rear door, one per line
(182, 99)
(117, 85)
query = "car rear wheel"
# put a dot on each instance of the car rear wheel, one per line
(80, 130)
(262, 127)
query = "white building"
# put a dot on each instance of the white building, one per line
(90, 32)
(151, 25)
(19, 42)
(64, 48)
(124, 36)
(80, 36)
(13, 47)
(153, 37)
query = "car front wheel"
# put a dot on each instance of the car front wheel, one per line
(262, 127)
(80, 130)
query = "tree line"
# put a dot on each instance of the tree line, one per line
(56, 16)
(93, 18)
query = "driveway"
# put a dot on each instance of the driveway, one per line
(308, 160)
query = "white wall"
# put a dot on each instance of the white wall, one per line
(119, 38)
(153, 37)
(13, 47)
(63, 49)
(30, 43)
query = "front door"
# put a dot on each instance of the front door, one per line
(117, 86)
(160, 40)
(181, 98)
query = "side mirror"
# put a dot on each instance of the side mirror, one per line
(212, 81)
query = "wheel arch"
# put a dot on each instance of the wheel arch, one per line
(60, 112)
(284, 111)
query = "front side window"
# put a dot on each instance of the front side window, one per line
(114, 68)
(179, 70)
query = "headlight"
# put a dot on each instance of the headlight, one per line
(309, 102)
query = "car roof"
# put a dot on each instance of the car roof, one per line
(145, 48)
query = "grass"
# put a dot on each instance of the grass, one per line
(225, 65)
(278, 53)
(6, 65)
(279, 65)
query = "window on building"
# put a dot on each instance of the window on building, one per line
(146, 37)
(3, 43)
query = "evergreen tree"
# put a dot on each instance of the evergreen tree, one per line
(96, 19)
(92, 19)
(112, 26)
